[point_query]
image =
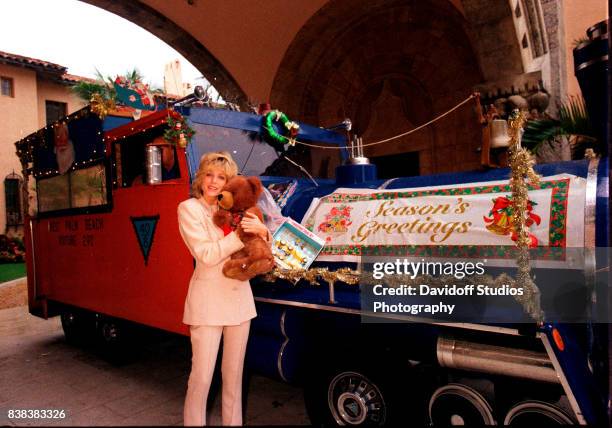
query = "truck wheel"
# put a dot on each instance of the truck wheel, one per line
(77, 326)
(353, 399)
(537, 413)
(457, 404)
(368, 395)
(115, 341)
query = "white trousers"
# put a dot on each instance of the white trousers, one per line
(204, 347)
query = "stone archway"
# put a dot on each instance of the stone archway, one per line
(409, 60)
(175, 36)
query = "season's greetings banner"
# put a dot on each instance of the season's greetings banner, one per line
(466, 220)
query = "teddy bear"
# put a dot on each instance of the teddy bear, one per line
(239, 195)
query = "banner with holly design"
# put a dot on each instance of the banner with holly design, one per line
(466, 220)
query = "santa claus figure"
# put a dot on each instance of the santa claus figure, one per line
(64, 150)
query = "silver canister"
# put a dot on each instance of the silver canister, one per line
(153, 164)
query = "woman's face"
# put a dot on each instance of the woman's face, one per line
(214, 180)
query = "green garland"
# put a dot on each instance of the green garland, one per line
(272, 137)
(178, 132)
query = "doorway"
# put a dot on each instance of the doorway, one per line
(397, 165)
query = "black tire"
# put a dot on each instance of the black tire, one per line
(372, 392)
(116, 341)
(78, 326)
(459, 404)
(537, 413)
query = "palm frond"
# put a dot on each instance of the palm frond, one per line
(573, 121)
(85, 90)
(538, 132)
(104, 80)
(574, 117)
(103, 86)
(134, 75)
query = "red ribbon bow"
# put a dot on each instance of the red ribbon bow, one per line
(502, 219)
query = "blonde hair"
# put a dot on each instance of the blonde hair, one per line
(221, 160)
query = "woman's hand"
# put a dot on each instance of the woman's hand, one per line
(251, 224)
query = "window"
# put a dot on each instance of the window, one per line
(81, 188)
(55, 111)
(517, 10)
(252, 156)
(535, 27)
(12, 184)
(136, 164)
(6, 85)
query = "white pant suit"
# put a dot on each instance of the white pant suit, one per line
(215, 306)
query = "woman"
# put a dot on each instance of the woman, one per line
(215, 305)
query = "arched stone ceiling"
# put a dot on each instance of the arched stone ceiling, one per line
(237, 44)
(389, 66)
(426, 43)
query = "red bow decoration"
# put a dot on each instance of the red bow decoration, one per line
(227, 229)
(236, 219)
(501, 222)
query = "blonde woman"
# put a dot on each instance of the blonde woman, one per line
(215, 305)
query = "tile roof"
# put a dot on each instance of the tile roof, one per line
(10, 58)
(39, 64)
(73, 78)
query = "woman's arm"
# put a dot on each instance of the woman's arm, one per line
(197, 239)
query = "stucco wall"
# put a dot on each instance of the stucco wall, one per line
(23, 114)
(578, 16)
(50, 91)
(19, 112)
(19, 118)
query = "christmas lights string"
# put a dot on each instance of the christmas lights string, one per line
(26, 145)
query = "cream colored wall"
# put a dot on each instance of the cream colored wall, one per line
(578, 15)
(50, 91)
(22, 115)
(19, 118)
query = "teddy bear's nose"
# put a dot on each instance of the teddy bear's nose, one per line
(219, 196)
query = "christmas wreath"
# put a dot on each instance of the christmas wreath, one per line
(178, 132)
(275, 139)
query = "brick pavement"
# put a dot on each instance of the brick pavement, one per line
(39, 370)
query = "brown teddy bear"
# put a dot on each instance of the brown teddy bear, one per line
(240, 195)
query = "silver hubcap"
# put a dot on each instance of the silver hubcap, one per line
(353, 400)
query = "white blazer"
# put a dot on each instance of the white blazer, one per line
(212, 299)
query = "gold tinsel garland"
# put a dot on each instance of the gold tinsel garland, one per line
(101, 106)
(521, 165)
(313, 275)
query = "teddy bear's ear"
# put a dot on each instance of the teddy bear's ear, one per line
(255, 185)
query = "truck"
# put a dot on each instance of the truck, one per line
(104, 253)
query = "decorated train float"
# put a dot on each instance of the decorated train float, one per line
(104, 252)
